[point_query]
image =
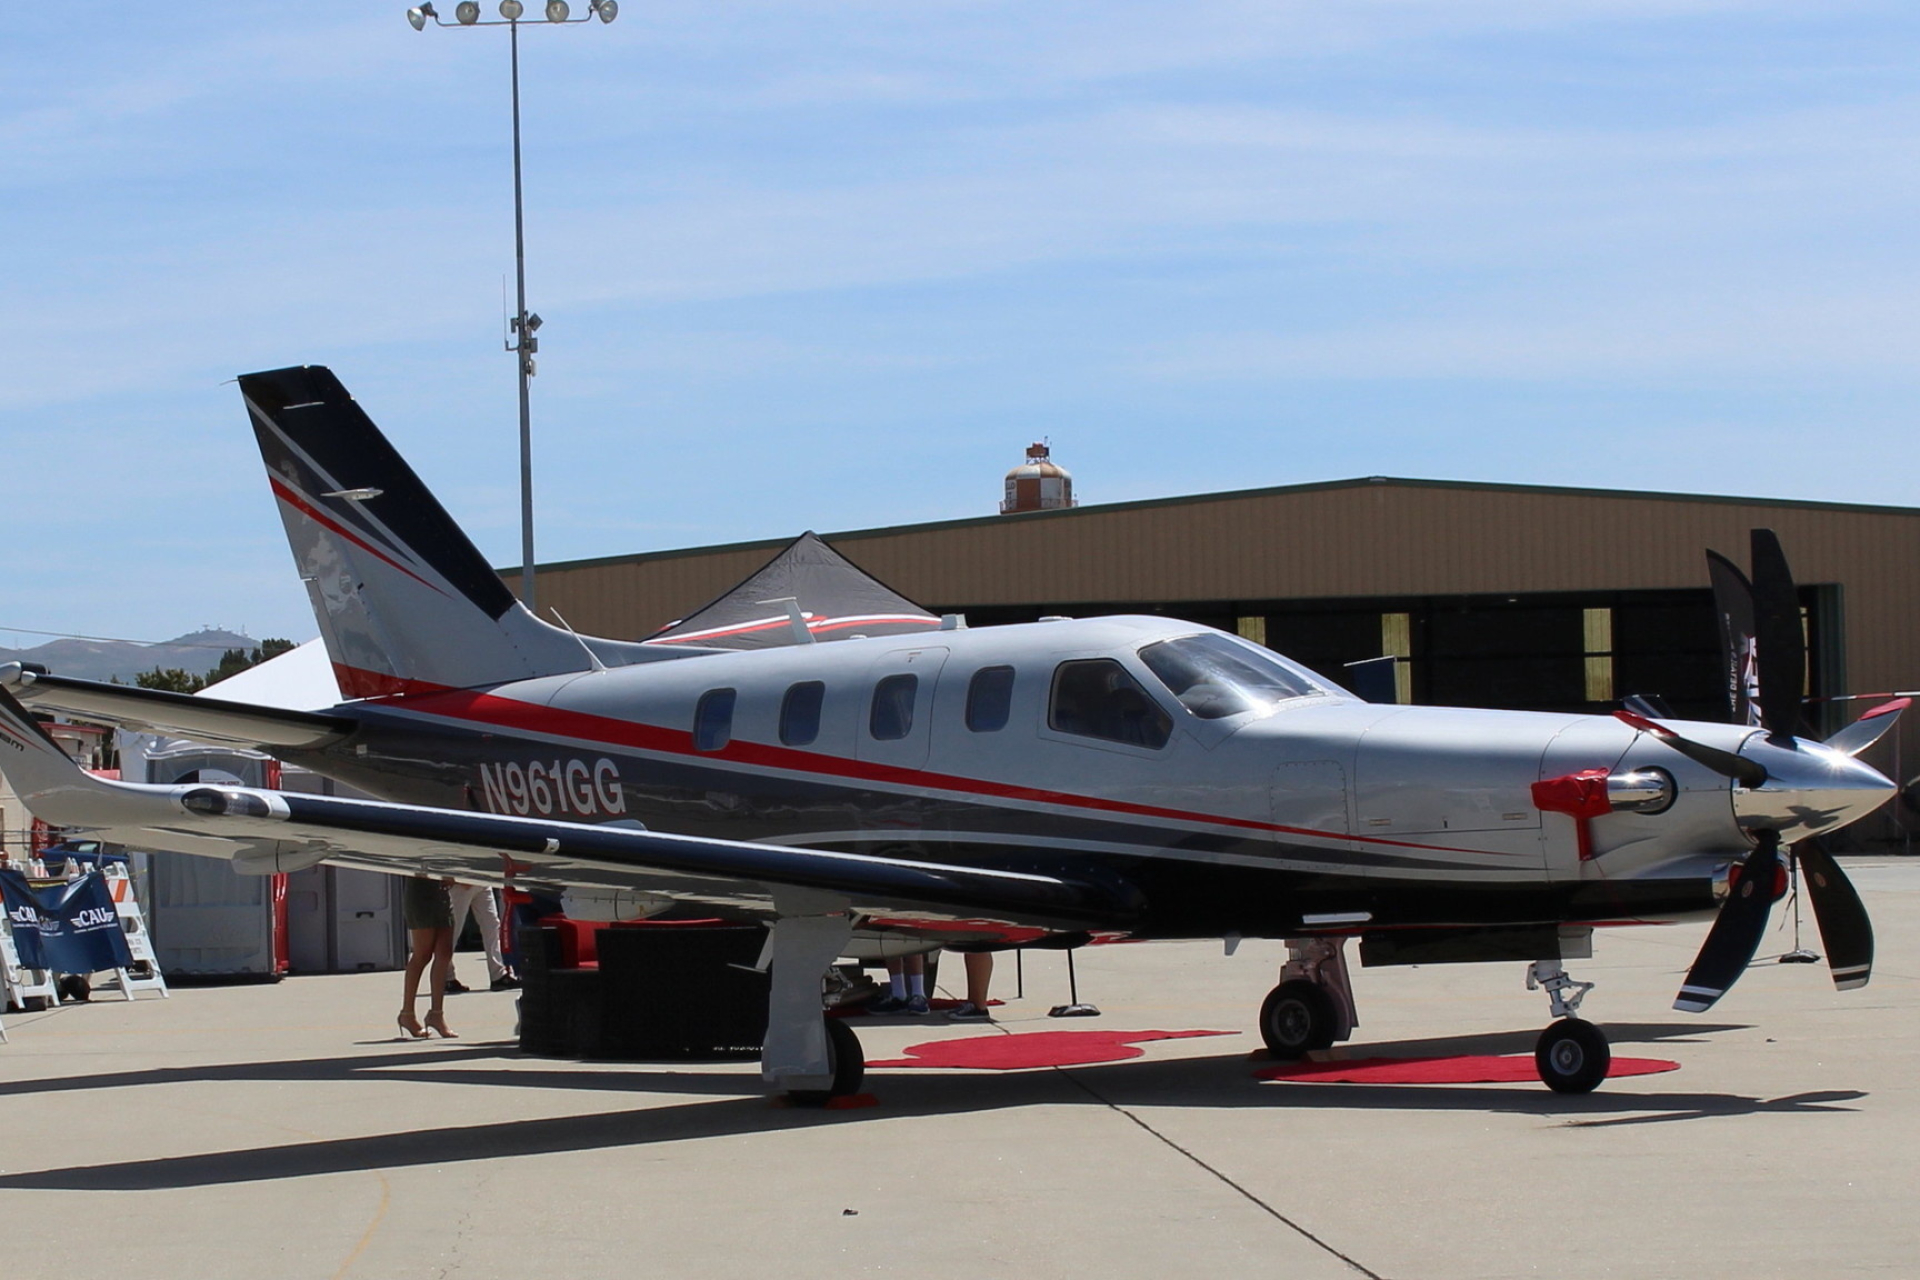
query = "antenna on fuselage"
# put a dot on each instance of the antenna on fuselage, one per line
(592, 657)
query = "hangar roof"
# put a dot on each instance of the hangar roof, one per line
(1369, 538)
(1271, 491)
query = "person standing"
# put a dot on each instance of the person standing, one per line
(478, 899)
(429, 914)
(979, 978)
(907, 987)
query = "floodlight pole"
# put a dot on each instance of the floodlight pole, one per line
(522, 341)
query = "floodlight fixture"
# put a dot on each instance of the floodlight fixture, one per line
(523, 323)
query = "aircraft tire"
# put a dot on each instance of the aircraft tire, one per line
(1295, 1019)
(849, 1063)
(1572, 1056)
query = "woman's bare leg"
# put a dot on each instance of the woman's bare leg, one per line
(419, 952)
(442, 963)
(437, 975)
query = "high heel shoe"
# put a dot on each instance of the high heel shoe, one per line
(410, 1027)
(438, 1022)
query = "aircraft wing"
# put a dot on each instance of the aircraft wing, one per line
(175, 714)
(265, 832)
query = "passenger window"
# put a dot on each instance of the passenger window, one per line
(891, 717)
(800, 713)
(713, 720)
(989, 699)
(1098, 699)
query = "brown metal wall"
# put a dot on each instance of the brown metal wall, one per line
(1389, 538)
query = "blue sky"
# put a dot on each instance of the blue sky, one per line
(834, 265)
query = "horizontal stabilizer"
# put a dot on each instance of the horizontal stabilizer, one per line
(175, 714)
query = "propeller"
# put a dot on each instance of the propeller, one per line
(1767, 674)
(1845, 930)
(1781, 648)
(1748, 773)
(1736, 931)
(1869, 728)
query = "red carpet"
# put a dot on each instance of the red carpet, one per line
(1035, 1049)
(1475, 1069)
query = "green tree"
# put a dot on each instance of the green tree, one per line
(232, 663)
(170, 679)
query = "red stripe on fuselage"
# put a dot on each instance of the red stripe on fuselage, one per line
(475, 707)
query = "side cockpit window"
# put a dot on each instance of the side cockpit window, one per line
(891, 716)
(800, 713)
(1096, 698)
(989, 699)
(713, 720)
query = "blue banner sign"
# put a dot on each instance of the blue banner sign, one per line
(70, 928)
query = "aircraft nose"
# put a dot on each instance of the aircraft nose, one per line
(1810, 788)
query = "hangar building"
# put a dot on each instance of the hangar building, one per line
(1510, 596)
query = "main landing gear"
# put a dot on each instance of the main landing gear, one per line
(1572, 1054)
(810, 1058)
(846, 1064)
(1313, 1005)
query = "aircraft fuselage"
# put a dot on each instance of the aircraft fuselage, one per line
(1314, 813)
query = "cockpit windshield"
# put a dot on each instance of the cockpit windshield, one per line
(1213, 677)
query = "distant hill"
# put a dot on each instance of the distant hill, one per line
(196, 654)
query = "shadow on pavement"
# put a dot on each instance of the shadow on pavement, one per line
(731, 1103)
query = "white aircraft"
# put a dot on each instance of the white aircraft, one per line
(859, 775)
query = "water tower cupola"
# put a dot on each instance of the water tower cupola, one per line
(1038, 484)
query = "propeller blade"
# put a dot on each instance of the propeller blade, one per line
(1648, 705)
(1736, 931)
(1869, 728)
(1845, 930)
(1748, 773)
(1777, 634)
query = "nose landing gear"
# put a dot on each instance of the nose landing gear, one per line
(1572, 1054)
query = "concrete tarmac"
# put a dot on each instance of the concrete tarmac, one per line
(281, 1130)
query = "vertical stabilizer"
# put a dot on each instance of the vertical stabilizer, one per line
(405, 602)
